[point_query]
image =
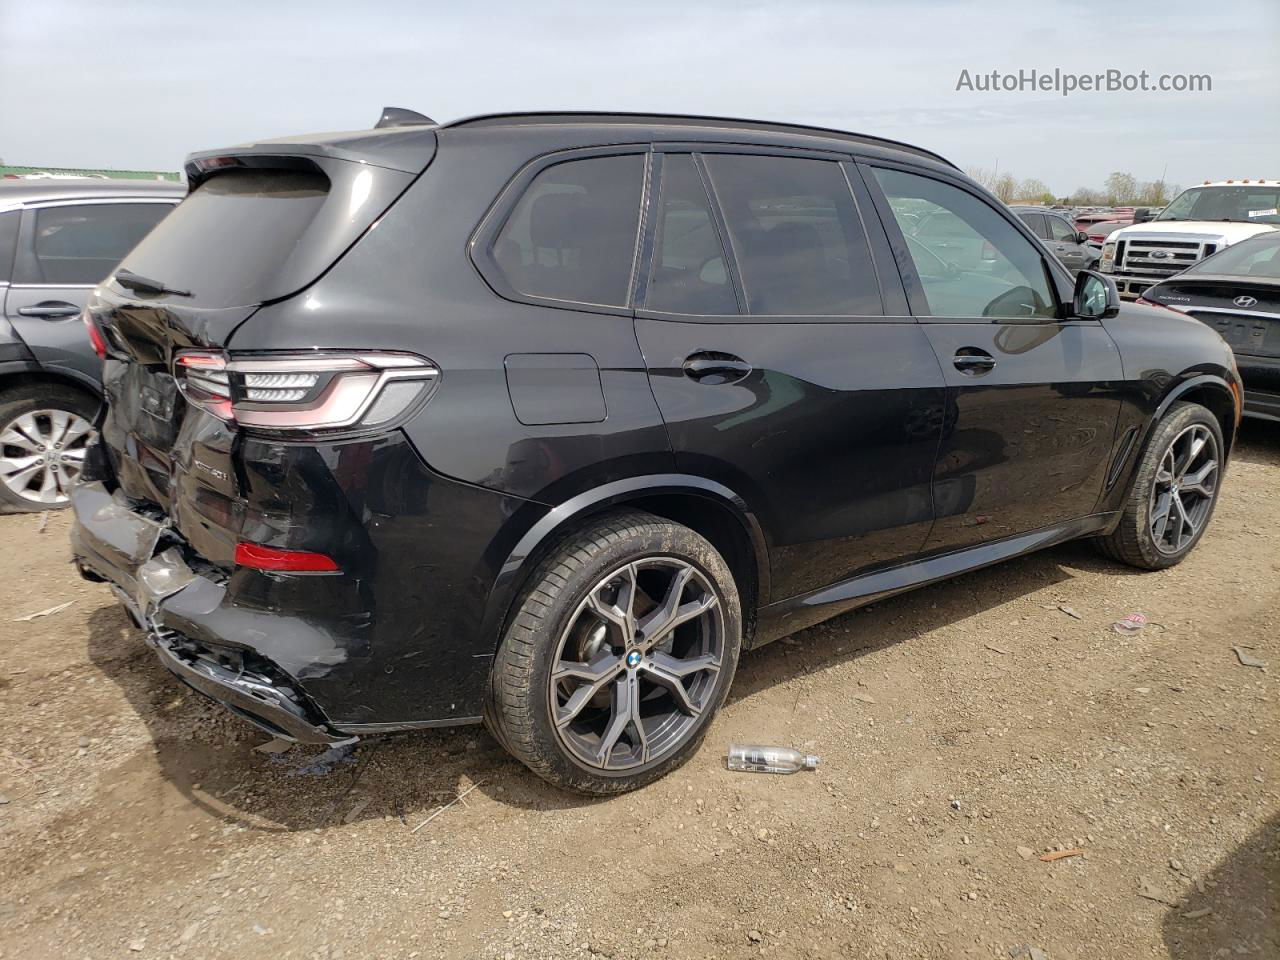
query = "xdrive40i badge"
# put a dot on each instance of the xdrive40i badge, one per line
(211, 471)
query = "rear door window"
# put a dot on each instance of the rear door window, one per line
(78, 244)
(690, 274)
(796, 235)
(572, 234)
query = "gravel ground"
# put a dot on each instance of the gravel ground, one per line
(966, 730)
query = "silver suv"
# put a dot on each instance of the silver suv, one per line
(58, 239)
(1069, 245)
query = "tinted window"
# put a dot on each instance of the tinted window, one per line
(796, 235)
(227, 241)
(988, 269)
(1061, 230)
(1036, 222)
(572, 235)
(689, 273)
(82, 243)
(8, 242)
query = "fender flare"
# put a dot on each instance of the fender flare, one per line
(503, 591)
(1133, 451)
(1184, 387)
(1205, 379)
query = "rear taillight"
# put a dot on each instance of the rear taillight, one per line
(95, 335)
(305, 392)
(203, 379)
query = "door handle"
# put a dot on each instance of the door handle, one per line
(707, 366)
(50, 310)
(974, 362)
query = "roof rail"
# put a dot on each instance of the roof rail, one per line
(683, 119)
(401, 117)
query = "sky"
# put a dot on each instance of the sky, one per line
(138, 84)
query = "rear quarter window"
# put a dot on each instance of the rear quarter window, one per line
(572, 234)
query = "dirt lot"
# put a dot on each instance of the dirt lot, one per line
(965, 730)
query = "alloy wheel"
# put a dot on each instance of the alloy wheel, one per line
(636, 666)
(1185, 486)
(42, 453)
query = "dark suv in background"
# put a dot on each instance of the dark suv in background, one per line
(58, 238)
(542, 419)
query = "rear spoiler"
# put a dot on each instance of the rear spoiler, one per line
(406, 149)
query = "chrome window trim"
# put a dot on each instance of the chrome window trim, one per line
(95, 202)
(52, 286)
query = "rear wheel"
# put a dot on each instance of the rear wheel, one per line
(1173, 493)
(44, 431)
(620, 653)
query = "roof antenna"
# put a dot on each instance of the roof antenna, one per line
(400, 117)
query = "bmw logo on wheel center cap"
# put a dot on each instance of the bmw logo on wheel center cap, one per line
(634, 658)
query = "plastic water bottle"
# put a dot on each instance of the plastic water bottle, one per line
(754, 758)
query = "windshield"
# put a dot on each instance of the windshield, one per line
(1255, 257)
(1244, 203)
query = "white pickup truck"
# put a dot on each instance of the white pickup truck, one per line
(1199, 222)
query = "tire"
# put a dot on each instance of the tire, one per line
(571, 617)
(1140, 540)
(44, 430)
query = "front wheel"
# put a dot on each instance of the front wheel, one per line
(620, 653)
(1173, 492)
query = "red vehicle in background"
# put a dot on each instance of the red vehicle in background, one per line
(1099, 230)
(1087, 221)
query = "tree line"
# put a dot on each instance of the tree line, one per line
(1120, 189)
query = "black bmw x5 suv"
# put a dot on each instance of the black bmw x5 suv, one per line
(541, 420)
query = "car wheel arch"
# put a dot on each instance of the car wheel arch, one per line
(707, 507)
(28, 374)
(1210, 391)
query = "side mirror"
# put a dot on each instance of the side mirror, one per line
(1142, 215)
(1095, 297)
(1082, 237)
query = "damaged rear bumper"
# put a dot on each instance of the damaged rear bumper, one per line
(278, 710)
(148, 573)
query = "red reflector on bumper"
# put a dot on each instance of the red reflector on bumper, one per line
(282, 561)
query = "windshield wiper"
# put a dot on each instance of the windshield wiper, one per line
(140, 284)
